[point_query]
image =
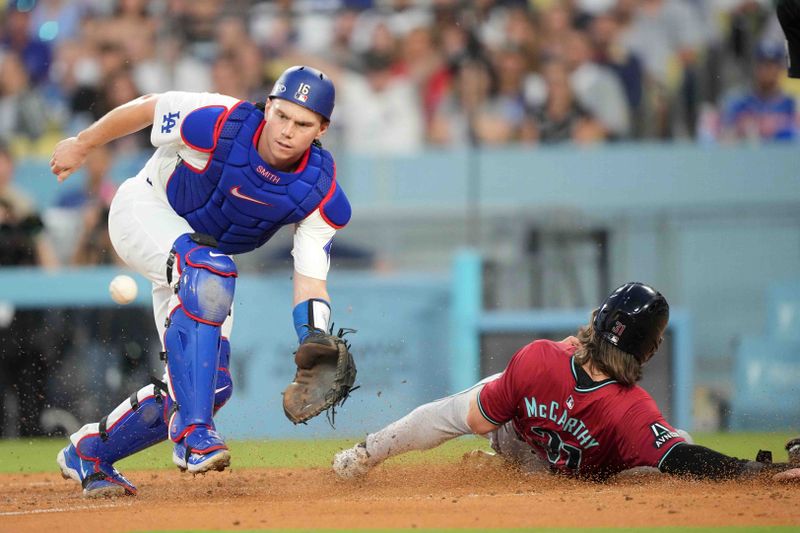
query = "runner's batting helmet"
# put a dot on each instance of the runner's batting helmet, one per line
(307, 87)
(633, 319)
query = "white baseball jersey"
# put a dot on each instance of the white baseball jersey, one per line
(143, 225)
(311, 234)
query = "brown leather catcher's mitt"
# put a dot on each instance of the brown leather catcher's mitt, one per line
(325, 376)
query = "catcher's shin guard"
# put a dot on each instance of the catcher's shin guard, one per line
(137, 423)
(192, 340)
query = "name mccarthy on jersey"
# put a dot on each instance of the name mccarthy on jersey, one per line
(560, 416)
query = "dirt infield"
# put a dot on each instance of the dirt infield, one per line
(453, 495)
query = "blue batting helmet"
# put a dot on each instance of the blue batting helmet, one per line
(633, 319)
(307, 87)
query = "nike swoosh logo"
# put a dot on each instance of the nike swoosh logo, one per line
(237, 194)
(212, 254)
(217, 391)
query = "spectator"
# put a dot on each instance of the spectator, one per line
(22, 110)
(197, 23)
(119, 88)
(561, 118)
(340, 51)
(380, 111)
(454, 122)
(56, 20)
(76, 75)
(501, 120)
(423, 63)
(226, 78)
(251, 67)
(171, 68)
(556, 23)
(131, 28)
(765, 112)
(23, 241)
(34, 53)
(609, 51)
(596, 87)
(668, 37)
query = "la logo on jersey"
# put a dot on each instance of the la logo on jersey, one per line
(302, 92)
(663, 434)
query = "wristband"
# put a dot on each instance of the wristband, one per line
(309, 315)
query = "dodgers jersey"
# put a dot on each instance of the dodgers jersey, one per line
(580, 427)
(312, 235)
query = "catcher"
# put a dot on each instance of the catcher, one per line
(226, 175)
(572, 407)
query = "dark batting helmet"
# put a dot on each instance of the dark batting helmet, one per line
(307, 87)
(633, 319)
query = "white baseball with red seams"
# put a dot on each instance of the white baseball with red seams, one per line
(123, 289)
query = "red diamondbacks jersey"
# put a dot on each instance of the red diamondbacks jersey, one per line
(589, 429)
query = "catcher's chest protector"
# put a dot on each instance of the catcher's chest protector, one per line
(238, 198)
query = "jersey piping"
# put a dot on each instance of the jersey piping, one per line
(669, 452)
(587, 388)
(486, 416)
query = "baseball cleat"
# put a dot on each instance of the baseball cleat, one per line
(352, 462)
(98, 479)
(197, 463)
(479, 457)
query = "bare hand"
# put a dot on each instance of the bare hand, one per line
(572, 341)
(68, 157)
(792, 476)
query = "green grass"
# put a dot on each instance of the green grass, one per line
(38, 455)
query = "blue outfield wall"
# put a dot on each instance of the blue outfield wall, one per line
(401, 347)
(417, 340)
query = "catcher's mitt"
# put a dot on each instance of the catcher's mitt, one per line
(325, 376)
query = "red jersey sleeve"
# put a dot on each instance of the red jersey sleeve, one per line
(497, 400)
(645, 437)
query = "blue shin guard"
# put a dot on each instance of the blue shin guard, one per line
(137, 423)
(194, 345)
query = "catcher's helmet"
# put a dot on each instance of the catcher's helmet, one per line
(307, 87)
(633, 318)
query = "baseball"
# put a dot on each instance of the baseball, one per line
(123, 289)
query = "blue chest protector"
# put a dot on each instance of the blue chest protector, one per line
(238, 198)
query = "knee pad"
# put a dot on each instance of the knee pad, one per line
(207, 278)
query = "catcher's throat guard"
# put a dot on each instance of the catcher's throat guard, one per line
(325, 376)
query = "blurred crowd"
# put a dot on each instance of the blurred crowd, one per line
(412, 73)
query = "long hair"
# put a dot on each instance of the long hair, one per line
(607, 358)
